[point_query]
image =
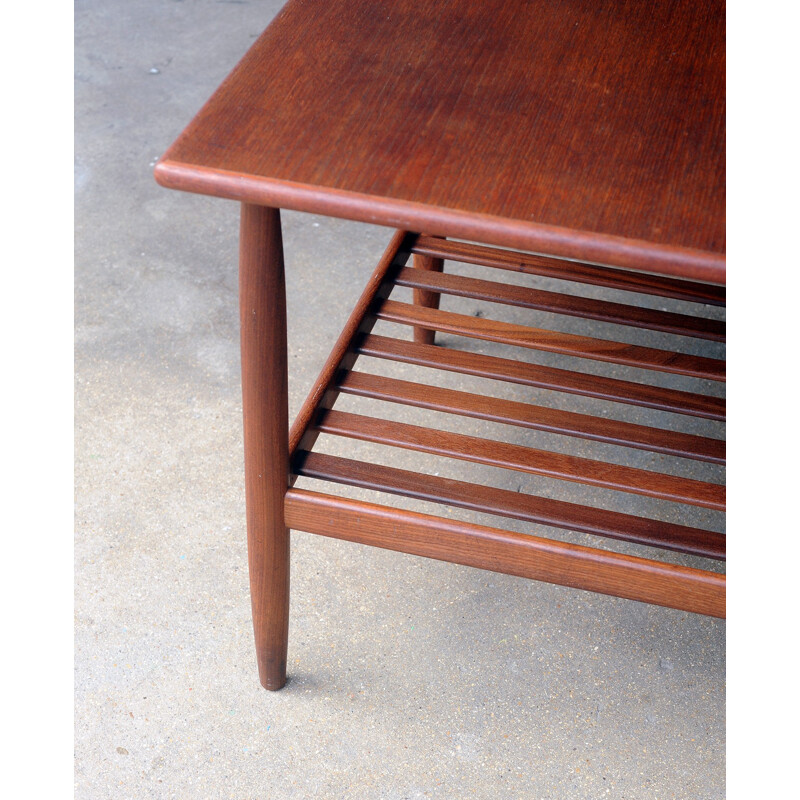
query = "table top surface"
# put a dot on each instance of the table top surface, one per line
(587, 129)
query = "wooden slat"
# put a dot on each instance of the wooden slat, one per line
(490, 500)
(343, 356)
(570, 305)
(558, 380)
(536, 417)
(524, 459)
(553, 341)
(510, 553)
(570, 270)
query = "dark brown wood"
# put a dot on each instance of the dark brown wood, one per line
(559, 380)
(518, 554)
(554, 341)
(265, 405)
(590, 134)
(324, 392)
(540, 418)
(590, 130)
(503, 502)
(425, 297)
(524, 459)
(428, 284)
(573, 271)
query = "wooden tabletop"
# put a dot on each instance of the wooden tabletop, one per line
(588, 129)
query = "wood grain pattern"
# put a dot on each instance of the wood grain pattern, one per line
(262, 303)
(427, 283)
(589, 131)
(559, 380)
(343, 356)
(523, 555)
(531, 264)
(553, 341)
(526, 415)
(524, 459)
(516, 505)
(592, 129)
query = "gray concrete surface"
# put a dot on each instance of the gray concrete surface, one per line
(408, 678)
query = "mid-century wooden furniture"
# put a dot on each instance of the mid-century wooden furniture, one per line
(588, 134)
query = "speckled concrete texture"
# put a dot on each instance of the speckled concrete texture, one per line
(408, 678)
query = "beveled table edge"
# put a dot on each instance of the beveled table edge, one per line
(585, 246)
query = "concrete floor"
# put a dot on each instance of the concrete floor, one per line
(408, 678)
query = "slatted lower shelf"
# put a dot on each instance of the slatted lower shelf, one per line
(653, 578)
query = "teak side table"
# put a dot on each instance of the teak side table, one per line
(581, 141)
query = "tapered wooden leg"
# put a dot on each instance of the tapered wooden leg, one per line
(262, 306)
(422, 297)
